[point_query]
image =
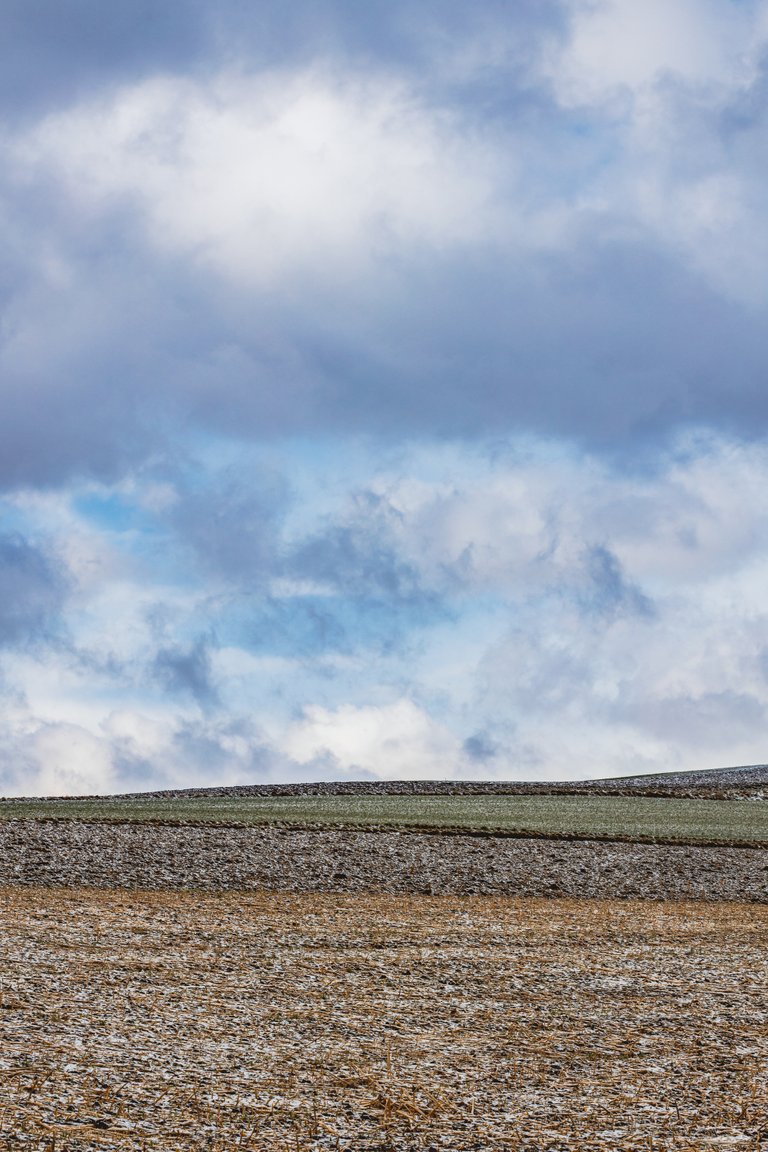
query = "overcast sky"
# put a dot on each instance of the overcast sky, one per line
(383, 390)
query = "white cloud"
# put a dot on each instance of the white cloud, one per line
(659, 82)
(303, 179)
(620, 44)
(571, 669)
(270, 176)
(64, 759)
(547, 658)
(686, 689)
(517, 527)
(391, 741)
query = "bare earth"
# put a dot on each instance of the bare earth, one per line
(159, 1020)
(200, 987)
(151, 856)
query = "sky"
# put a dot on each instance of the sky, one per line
(383, 390)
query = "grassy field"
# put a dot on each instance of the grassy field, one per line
(154, 1022)
(644, 817)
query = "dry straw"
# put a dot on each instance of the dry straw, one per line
(162, 1021)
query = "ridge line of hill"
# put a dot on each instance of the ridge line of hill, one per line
(745, 782)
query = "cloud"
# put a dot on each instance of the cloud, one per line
(261, 179)
(374, 225)
(32, 591)
(617, 45)
(517, 609)
(397, 740)
(360, 557)
(231, 523)
(299, 254)
(68, 760)
(187, 670)
(57, 52)
(610, 592)
(131, 751)
(382, 368)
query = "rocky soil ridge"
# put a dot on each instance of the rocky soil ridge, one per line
(736, 783)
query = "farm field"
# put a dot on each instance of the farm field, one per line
(263, 858)
(653, 818)
(167, 1021)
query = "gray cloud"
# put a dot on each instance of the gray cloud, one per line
(358, 557)
(368, 595)
(613, 343)
(380, 226)
(187, 670)
(232, 524)
(54, 51)
(610, 593)
(709, 720)
(617, 334)
(32, 591)
(480, 748)
(81, 359)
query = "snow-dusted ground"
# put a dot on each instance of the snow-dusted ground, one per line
(154, 1022)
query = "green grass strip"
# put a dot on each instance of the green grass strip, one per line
(605, 816)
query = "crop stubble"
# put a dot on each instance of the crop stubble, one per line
(160, 1020)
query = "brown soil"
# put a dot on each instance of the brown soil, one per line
(172, 1021)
